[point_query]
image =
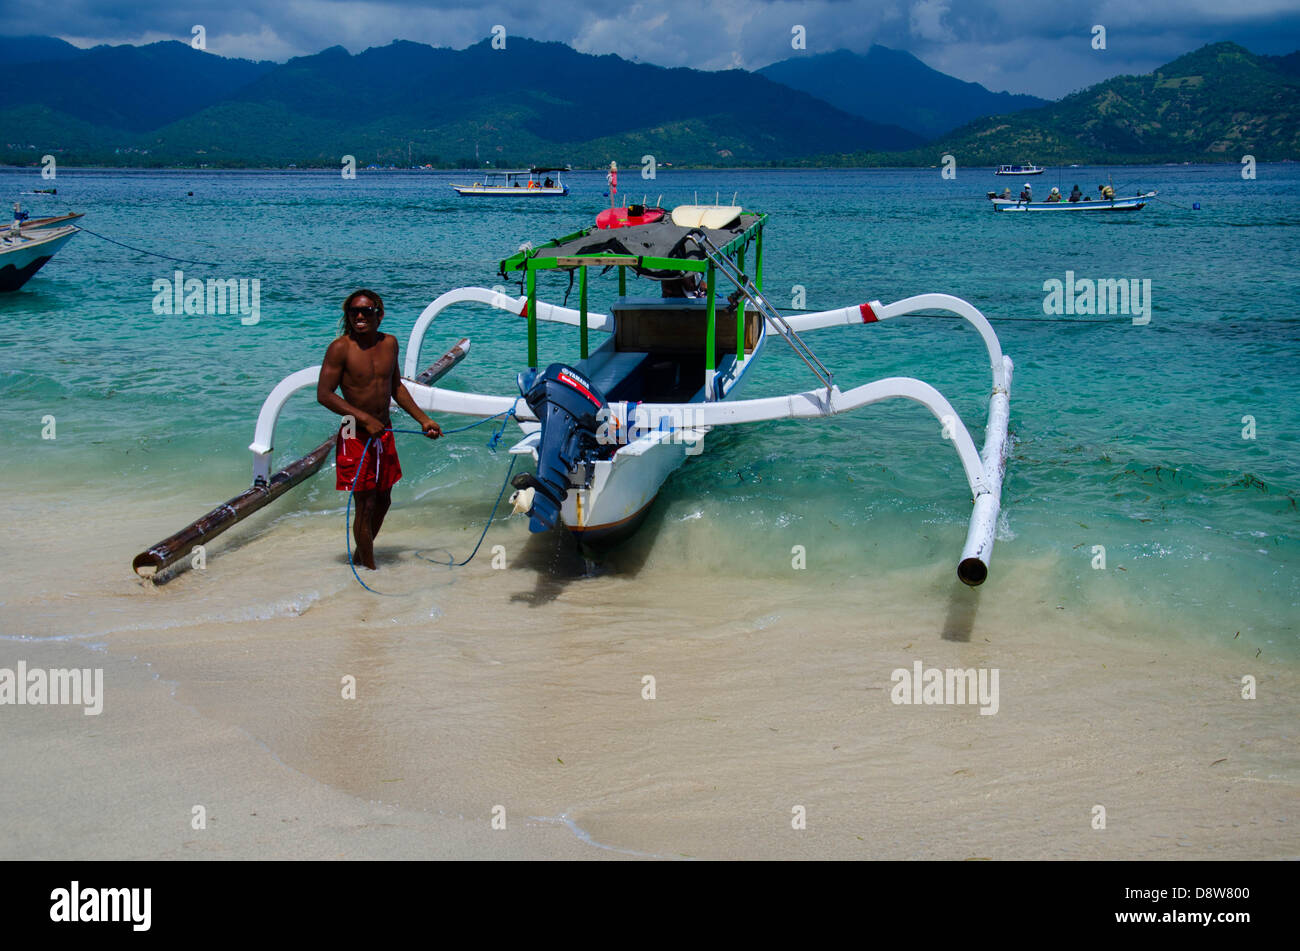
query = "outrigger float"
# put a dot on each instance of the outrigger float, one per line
(606, 430)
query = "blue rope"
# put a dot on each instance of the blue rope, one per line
(450, 562)
(165, 257)
(451, 559)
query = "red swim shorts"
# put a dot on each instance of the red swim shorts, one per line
(380, 471)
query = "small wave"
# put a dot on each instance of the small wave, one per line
(284, 607)
(564, 820)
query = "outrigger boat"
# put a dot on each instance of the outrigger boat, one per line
(44, 224)
(29, 224)
(25, 248)
(533, 183)
(1135, 203)
(606, 429)
(1030, 169)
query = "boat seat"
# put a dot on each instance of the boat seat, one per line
(619, 367)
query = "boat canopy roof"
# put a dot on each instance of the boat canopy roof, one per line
(659, 249)
(523, 172)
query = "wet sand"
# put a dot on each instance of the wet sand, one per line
(523, 688)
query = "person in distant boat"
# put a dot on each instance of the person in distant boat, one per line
(363, 362)
(1026, 193)
(548, 183)
(1107, 192)
(1006, 194)
(1055, 194)
(1075, 194)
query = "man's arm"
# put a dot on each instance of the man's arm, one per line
(331, 375)
(402, 397)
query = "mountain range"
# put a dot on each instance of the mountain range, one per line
(1217, 103)
(534, 102)
(892, 86)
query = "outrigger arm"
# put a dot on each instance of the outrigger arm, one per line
(482, 295)
(429, 398)
(875, 311)
(987, 488)
(984, 470)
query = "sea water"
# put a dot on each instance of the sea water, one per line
(1153, 473)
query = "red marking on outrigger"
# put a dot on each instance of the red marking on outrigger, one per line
(524, 312)
(868, 315)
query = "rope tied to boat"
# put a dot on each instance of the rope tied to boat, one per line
(451, 562)
(165, 257)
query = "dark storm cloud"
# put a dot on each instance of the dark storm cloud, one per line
(1004, 44)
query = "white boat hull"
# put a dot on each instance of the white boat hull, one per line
(623, 487)
(486, 191)
(1134, 203)
(622, 491)
(22, 255)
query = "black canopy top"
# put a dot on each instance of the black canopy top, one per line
(659, 239)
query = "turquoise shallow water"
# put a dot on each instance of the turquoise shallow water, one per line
(1129, 437)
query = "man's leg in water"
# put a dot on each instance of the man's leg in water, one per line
(363, 528)
(383, 500)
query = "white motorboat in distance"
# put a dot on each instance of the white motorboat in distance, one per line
(532, 183)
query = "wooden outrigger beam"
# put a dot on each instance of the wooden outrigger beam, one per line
(442, 366)
(172, 549)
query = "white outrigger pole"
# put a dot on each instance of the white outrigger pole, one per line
(658, 435)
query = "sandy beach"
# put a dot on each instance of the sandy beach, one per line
(524, 689)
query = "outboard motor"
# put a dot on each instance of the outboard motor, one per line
(567, 405)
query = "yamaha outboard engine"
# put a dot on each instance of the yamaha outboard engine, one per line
(567, 404)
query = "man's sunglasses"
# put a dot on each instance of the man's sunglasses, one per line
(364, 311)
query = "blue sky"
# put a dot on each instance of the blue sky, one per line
(1004, 44)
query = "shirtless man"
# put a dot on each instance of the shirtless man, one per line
(364, 362)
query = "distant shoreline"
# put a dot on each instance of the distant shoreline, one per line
(35, 166)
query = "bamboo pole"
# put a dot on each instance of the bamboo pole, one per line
(442, 366)
(172, 549)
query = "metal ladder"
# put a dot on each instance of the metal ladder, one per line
(764, 307)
